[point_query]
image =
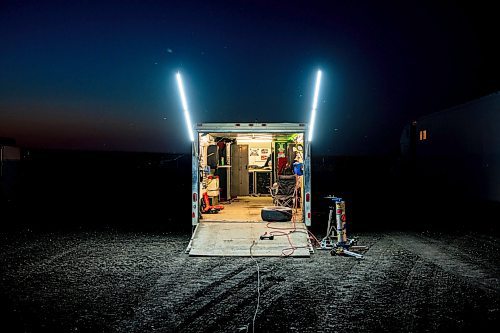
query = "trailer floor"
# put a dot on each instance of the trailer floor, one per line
(246, 209)
(242, 239)
(139, 282)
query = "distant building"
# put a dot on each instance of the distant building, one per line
(457, 150)
(10, 156)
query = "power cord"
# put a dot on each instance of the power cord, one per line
(258, 287)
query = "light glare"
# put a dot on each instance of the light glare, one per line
(184, 106)
(315, 105)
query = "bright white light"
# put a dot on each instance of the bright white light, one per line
(254, 140)
(184, 106)
(315, 105)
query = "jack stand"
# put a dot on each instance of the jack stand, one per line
(326, 244)
(343, 245)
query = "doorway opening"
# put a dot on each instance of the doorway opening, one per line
(242, 173)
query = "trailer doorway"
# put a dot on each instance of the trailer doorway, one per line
(239, 173)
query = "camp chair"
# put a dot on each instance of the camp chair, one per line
(207, 208)
(283, 191)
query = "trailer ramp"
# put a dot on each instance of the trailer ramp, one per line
(233, 239)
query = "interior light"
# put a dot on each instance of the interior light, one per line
(254, 140)
(184, 106)
(315, 105)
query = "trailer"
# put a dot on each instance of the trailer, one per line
(235, 168)
(251, 186)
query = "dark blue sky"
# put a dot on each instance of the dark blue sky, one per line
(100, 75)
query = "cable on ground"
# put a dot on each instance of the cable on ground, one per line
(288, 251)
(258, 286)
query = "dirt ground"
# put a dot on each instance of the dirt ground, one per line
(138, 282)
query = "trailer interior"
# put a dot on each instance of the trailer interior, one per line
(241, 173)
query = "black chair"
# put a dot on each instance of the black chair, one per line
(283, 191)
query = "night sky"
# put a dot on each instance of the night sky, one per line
(101, 75)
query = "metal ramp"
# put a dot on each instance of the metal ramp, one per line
(233, 239)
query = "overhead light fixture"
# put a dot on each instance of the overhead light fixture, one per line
(184, 106)
(254, 140)
(315, 105)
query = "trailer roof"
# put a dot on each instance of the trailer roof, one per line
(251, 127)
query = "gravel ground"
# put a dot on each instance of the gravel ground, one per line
(140, 282)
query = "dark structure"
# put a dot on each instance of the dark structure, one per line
(453, 156)
(10, 155)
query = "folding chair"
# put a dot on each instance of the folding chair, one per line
(283, 191)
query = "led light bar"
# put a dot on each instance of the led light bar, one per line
(315, 105)
(184, 106)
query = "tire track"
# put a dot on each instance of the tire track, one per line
(170, 294)
(239, 303)
(359, 299)
(447, 259)
(414, 298)
(45, 265)
(231, 300)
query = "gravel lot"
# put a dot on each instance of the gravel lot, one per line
(138, 282)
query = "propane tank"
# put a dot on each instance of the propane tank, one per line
(341, 221)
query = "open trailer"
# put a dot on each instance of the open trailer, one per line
(251, 186)
(234, 169)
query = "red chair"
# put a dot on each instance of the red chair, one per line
(209, 209)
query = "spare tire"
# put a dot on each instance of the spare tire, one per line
(276, 214)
